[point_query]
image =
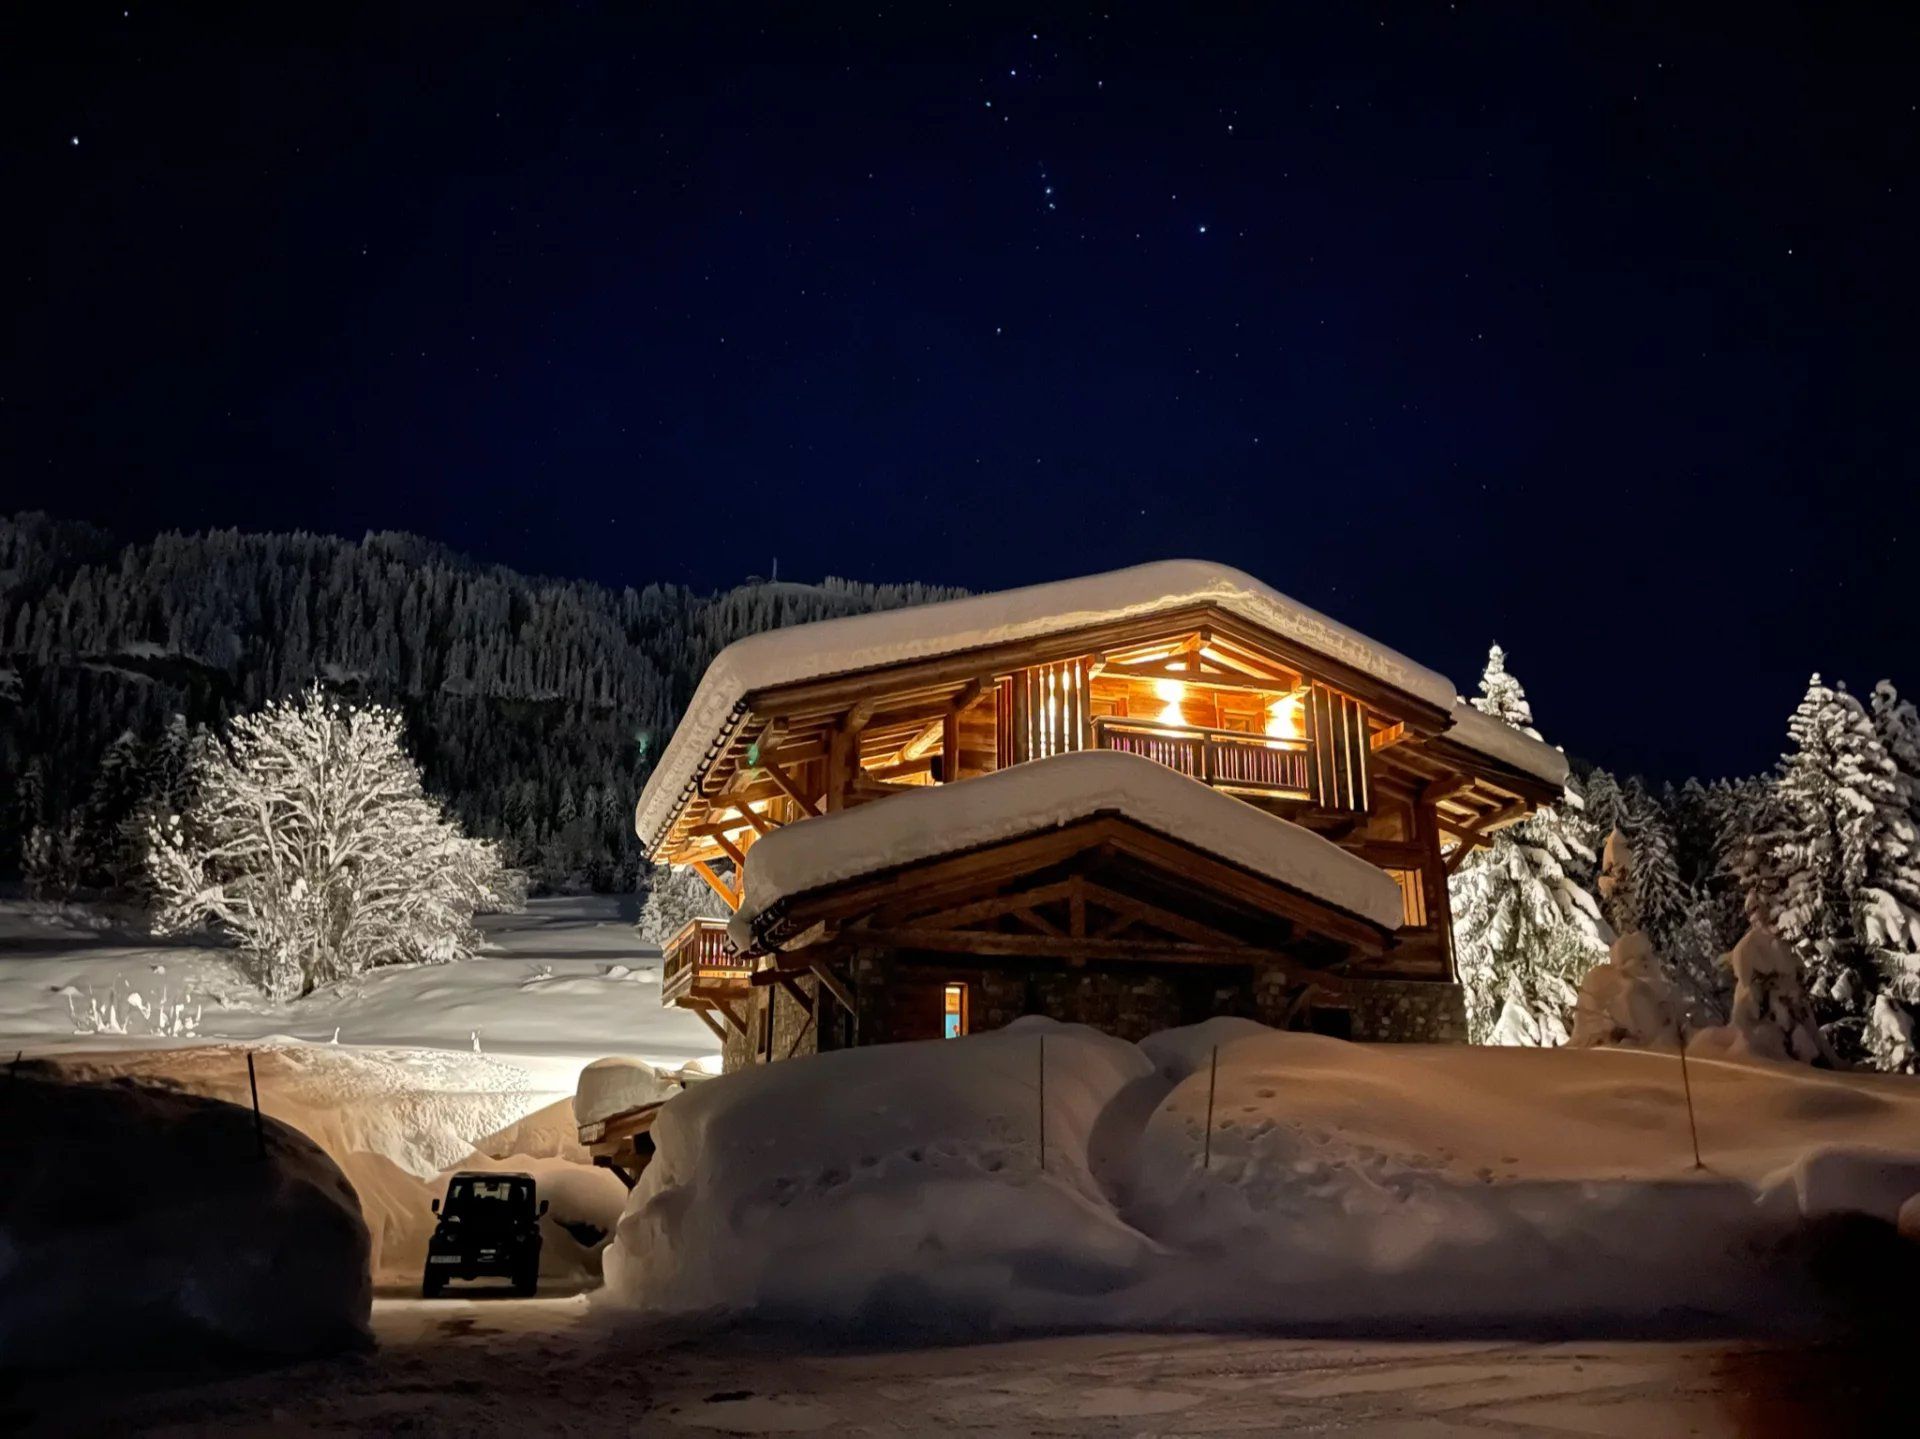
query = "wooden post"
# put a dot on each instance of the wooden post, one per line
(1686, 1081)
(1043, 1104)
(1213, 1078)
(259, 1128)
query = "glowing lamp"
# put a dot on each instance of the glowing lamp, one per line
(1170, 692)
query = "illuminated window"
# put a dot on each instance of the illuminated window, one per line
(954, 1012)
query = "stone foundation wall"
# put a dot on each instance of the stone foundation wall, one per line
(900, 998)
(1407, 1011)
(794, 1032)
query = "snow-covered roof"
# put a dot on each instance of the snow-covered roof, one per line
(890, 637)
(1498, 740)
(1045, 794)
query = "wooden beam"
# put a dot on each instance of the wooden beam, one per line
(762, 826)
(719, 1031)
(792, 986)
(903, 769)
(994, 907)
(735, 1021)
(739, 858)
(784, 782)
(1138, 911)
(718, 885)
(1477, 836)
(1443, 789)
(832, 984)
(1065, 947)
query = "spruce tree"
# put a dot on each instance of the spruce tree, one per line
(1526, 924)
(1831, 865)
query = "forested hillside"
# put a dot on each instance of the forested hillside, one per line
(534, 706)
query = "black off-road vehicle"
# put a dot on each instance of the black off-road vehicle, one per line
(489, 1228)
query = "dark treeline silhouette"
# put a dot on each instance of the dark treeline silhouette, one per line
(534, 706)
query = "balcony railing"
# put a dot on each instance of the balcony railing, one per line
(1226, 759)
(698, 955)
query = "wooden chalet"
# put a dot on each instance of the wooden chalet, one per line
(879, 802)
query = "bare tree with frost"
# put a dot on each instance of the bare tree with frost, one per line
(311, 841)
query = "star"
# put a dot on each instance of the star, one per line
(76, 140)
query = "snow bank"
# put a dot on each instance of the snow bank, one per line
(132, 1219)
(1044, 794)
(863, 642)
(421, 1109)
(895, 1184)
(1345, 1183)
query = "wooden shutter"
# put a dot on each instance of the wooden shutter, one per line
(1337, 727)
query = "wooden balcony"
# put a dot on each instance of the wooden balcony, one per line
(1225, 759)
(699, 962)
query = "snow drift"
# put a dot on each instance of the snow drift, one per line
(132, 1217)
(888, 1183)
(903, 1185)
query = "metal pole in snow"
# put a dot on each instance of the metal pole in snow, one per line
(259, 1128)
(1686, 1081)
(1043, 1102)
(1213, 1078)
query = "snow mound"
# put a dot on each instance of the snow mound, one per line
(1339, 1183)
(892, 1184)
(1043, 794)
(131, 1217)
(423, 1109)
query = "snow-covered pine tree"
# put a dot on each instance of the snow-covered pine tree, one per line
(310, 840)
(1659, 897)
(1887, 912)
(1606, 805)
(1502, 696)
(1830, 864)
(1526, 925)
(675, 896)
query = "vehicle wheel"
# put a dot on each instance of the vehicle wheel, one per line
(431, 1285)
(526, 1282)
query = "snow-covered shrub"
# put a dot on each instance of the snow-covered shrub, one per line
(1890, 1038)
(1772, 1017)
(675, 896)
(1627, 1000)
(310, 840)
(127, 1011)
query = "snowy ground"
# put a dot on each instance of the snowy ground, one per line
(563, 984)
(399, 1076)
(552, 1366)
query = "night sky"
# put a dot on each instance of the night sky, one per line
(1587, 328)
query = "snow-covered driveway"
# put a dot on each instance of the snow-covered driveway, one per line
(550, 1366)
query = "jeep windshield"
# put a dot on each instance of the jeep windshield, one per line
(489, 1201)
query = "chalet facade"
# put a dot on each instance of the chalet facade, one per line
(1131, 800)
